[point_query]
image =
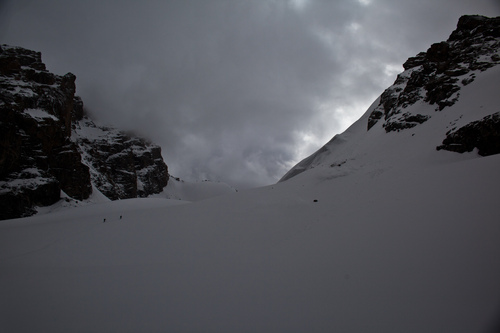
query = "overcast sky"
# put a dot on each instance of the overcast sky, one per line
(234, 91)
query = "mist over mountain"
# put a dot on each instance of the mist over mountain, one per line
(392, 226)
(49, 145)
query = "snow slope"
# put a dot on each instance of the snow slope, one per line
(179, 189)
(383, 233)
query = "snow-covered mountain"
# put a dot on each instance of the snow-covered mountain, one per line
(379, 231)
(419, 105)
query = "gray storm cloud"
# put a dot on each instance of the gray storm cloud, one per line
(236, 91)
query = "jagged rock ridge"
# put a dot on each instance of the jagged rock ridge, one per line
(37, 158)
(428, 92)
(121, 165)
(437, 75)
(41, 143)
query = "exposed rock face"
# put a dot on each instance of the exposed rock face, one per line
(121, 166)
(436, 76)
(40, 155)
(37, 158)
(483, 134)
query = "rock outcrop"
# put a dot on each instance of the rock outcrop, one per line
(437, 75)
(37, 158)
(41, 145)
(121, 165)
(482, 134)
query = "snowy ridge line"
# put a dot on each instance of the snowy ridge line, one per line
(425, 94)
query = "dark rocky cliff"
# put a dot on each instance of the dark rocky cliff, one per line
(41, 143)
(437, 75)
(121, 165)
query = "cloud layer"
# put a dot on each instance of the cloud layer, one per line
(237, 91)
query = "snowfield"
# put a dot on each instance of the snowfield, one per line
(380, 233)
(179, 189)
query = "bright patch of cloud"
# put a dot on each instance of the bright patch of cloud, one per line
(392, 69)
(299, 4)
(365, 2)
(354, 27)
